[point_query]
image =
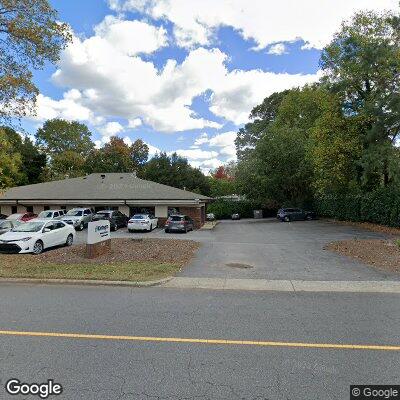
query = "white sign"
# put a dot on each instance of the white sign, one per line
(98, 231)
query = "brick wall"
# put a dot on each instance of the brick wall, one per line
(194, 213)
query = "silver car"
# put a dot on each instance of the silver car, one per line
(51, 214)
(78, 218)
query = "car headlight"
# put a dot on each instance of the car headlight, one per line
(25, 239)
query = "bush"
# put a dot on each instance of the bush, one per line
(223, 209)
(381, 206)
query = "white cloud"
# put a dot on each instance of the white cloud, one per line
(195, 154)
(203, 138)
(277, 49)
(223, 143)
(266, 22)
(111, 129)
(134, 123)
(131, 37)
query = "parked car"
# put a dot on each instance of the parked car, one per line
(78, 218)
(35, 236)
(235, 216)
(7, 225)
(142, 222)
(179, 223)
(210, 217)
(51, 214)
(116, 218)
(3, 216)
(295, 214)
(23, 217)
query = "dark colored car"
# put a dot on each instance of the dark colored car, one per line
(3, 216)
(23, 217)
(7, 225)
(116, 218)
(179, 223)
(235, 216)
(295, 214)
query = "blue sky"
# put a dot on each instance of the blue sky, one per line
(183, 75)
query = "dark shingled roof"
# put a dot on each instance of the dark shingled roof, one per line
(112, 186)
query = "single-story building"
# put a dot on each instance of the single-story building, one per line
(120, 191)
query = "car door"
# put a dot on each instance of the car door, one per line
(153, 220)
(87, 216)
(60, 233)
(49, 238)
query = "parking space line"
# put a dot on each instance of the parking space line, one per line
(204, 341)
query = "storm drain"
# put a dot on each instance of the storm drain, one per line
(239, 265)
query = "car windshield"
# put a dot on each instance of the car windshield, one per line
(75, 213)
(139, 216)
(4, 224)
(176, 218)
(29, 227)
(104, 213)
(45, 214)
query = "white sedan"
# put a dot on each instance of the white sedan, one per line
(142, 222)
(35, 236)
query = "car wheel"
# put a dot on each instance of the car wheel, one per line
(115, 227)
(151, 228)
(286, 219)
(70, 240)
(166, 231)
(130, 230)
(81, 226)
(38, 247)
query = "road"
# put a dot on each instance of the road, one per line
(152, 368)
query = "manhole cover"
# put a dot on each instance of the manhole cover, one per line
(239, 265)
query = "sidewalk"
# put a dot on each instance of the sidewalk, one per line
(284, 285)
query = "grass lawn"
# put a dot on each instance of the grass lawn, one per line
(127, 271)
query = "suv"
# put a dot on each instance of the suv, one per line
(295, 214)
(179, 223)
(78, 218)
(51, 214)
(116, 218)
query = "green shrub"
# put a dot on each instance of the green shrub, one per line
(223, 209)
(381, 206)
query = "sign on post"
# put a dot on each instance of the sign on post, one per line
(98, 239)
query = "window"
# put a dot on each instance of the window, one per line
(29, 209)
(56, 214)
(58, 225)
(49, 225)
(14, 209)
(46, 208)
(87, 212)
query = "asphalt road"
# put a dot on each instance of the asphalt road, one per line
(269, 249)
(111, 368)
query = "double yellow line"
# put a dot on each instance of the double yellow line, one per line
(203, 341)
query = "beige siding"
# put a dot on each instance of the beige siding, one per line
(6, 210)
(124, 210)
(161, 211)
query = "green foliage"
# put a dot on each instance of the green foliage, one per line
(223, 209)
(380, 206)
(177, 172)
(117, 156)
(31, 35)
(58, 135)
(221, 187)
(10, 162)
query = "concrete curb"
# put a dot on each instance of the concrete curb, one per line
(88, 282)
(209, 225)
(284, 285)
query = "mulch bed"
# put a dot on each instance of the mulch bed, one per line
(161, 251)
(369, 226)
(384, 254)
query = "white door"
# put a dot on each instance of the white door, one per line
(60, 232)
(49, 238)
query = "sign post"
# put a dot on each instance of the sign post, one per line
(98, 239)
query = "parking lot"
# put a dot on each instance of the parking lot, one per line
(268, 249)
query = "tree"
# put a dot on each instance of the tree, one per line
(31, 35)
(10, 162)
(58, 135)
(32, 160)
(362, 65)
(262, 116)
(175, 171)
(117, 156)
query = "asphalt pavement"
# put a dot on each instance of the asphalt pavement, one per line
(272, 250)
(150, 367)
